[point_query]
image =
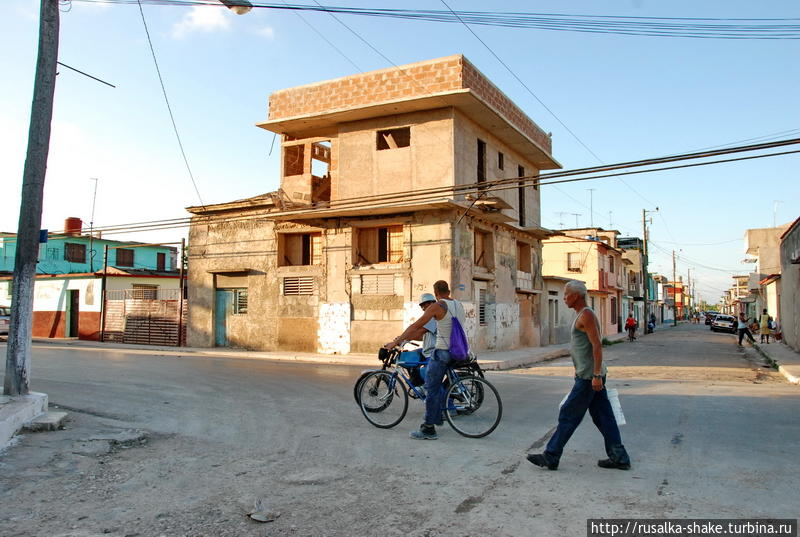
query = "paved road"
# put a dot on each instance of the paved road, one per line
(711, 433)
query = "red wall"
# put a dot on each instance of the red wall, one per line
(52, 324)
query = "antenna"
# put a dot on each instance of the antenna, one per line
(91, 227)
(576, 215)
(560, 215)
(591, 206)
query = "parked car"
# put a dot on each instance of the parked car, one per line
(5, 319)
(723, 323)
(710, 317)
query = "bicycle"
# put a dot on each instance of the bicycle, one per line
(387, 358)
(473, 407)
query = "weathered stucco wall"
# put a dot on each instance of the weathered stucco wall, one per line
(790, 287)
(466, 134)
(426, 163)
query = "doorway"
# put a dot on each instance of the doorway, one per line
(73, 313)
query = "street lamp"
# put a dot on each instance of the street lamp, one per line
(240, 7)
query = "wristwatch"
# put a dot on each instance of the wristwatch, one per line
(597, 376)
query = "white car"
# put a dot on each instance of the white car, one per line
(5, 319)
(724, 323)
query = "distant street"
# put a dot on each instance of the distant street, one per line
(710, 431)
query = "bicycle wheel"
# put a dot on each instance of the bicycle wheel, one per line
(357, 385)
(474, 407)
(383, 399)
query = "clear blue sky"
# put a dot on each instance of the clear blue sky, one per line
(625, 97)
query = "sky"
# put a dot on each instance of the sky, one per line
(623, 97)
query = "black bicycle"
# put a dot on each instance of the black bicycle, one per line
(473, 407)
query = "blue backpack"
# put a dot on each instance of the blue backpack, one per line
(459, 346)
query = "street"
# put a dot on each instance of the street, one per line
(195, 441)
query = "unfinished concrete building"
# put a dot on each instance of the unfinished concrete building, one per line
(387, 185)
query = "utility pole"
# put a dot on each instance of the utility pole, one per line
(17, 381)
(644, 262)
(91, 228)
(674, 293)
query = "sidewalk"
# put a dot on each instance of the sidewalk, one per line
(783, 357)
(489, 360)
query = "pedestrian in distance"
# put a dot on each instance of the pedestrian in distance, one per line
(443, 311)
(743, 329)
(630, 326)
(588, 392)
(763, 325)
(651, 324)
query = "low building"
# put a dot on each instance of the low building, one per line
(557, 318)
(70, 287)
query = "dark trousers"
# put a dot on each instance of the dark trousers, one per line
(580, 399)
(746, 332)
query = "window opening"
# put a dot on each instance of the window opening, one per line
(240, 301)
(300, 249)
(380, 245)
(481, 172)
(377, 284)
(500, 160)
(320, 171)
(75, 253)
(613, 310)
(574, 261)
(298, 285)
(482, 307)
(293, 159)
(393, 138)
(483, 249)
(143, 291)
(161, 261)
(524, 257)
(125, 257)
(521, 196)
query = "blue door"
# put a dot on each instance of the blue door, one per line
(223, 308)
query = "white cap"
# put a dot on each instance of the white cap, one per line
(426, 297)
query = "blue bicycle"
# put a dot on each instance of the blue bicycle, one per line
(472, 404)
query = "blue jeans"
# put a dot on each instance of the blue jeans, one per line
(580, 399)
(434, 398)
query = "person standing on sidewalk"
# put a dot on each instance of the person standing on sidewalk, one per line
(443, 311)
(588, 392)
(743, 329)
(763, 325)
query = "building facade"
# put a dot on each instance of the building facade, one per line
(591, 256)
(69, 286)
(389, 181)
(789, 299)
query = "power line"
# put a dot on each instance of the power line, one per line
(166, 99)
(437, 193)
(672, 27)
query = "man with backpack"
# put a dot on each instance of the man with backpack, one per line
(451, 345)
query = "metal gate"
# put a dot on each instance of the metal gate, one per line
(145, 317)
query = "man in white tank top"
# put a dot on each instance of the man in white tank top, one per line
(442, 311)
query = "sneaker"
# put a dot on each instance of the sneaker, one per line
(540, 459)
(608, 463)
(425, 432)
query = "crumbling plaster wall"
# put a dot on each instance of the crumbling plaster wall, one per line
(426, 163)
(466, 135)
(230, 246)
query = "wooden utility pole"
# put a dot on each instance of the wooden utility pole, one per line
(17, 381)
(646, 279)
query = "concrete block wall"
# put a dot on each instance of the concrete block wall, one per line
(420, 79)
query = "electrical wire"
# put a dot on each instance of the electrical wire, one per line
(166, 99)
(429, 195)
(673, 27)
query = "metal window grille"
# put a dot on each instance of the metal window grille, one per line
(298, 285)
(482, 307)
(148, 292)
(377, 284)
(240, 301)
